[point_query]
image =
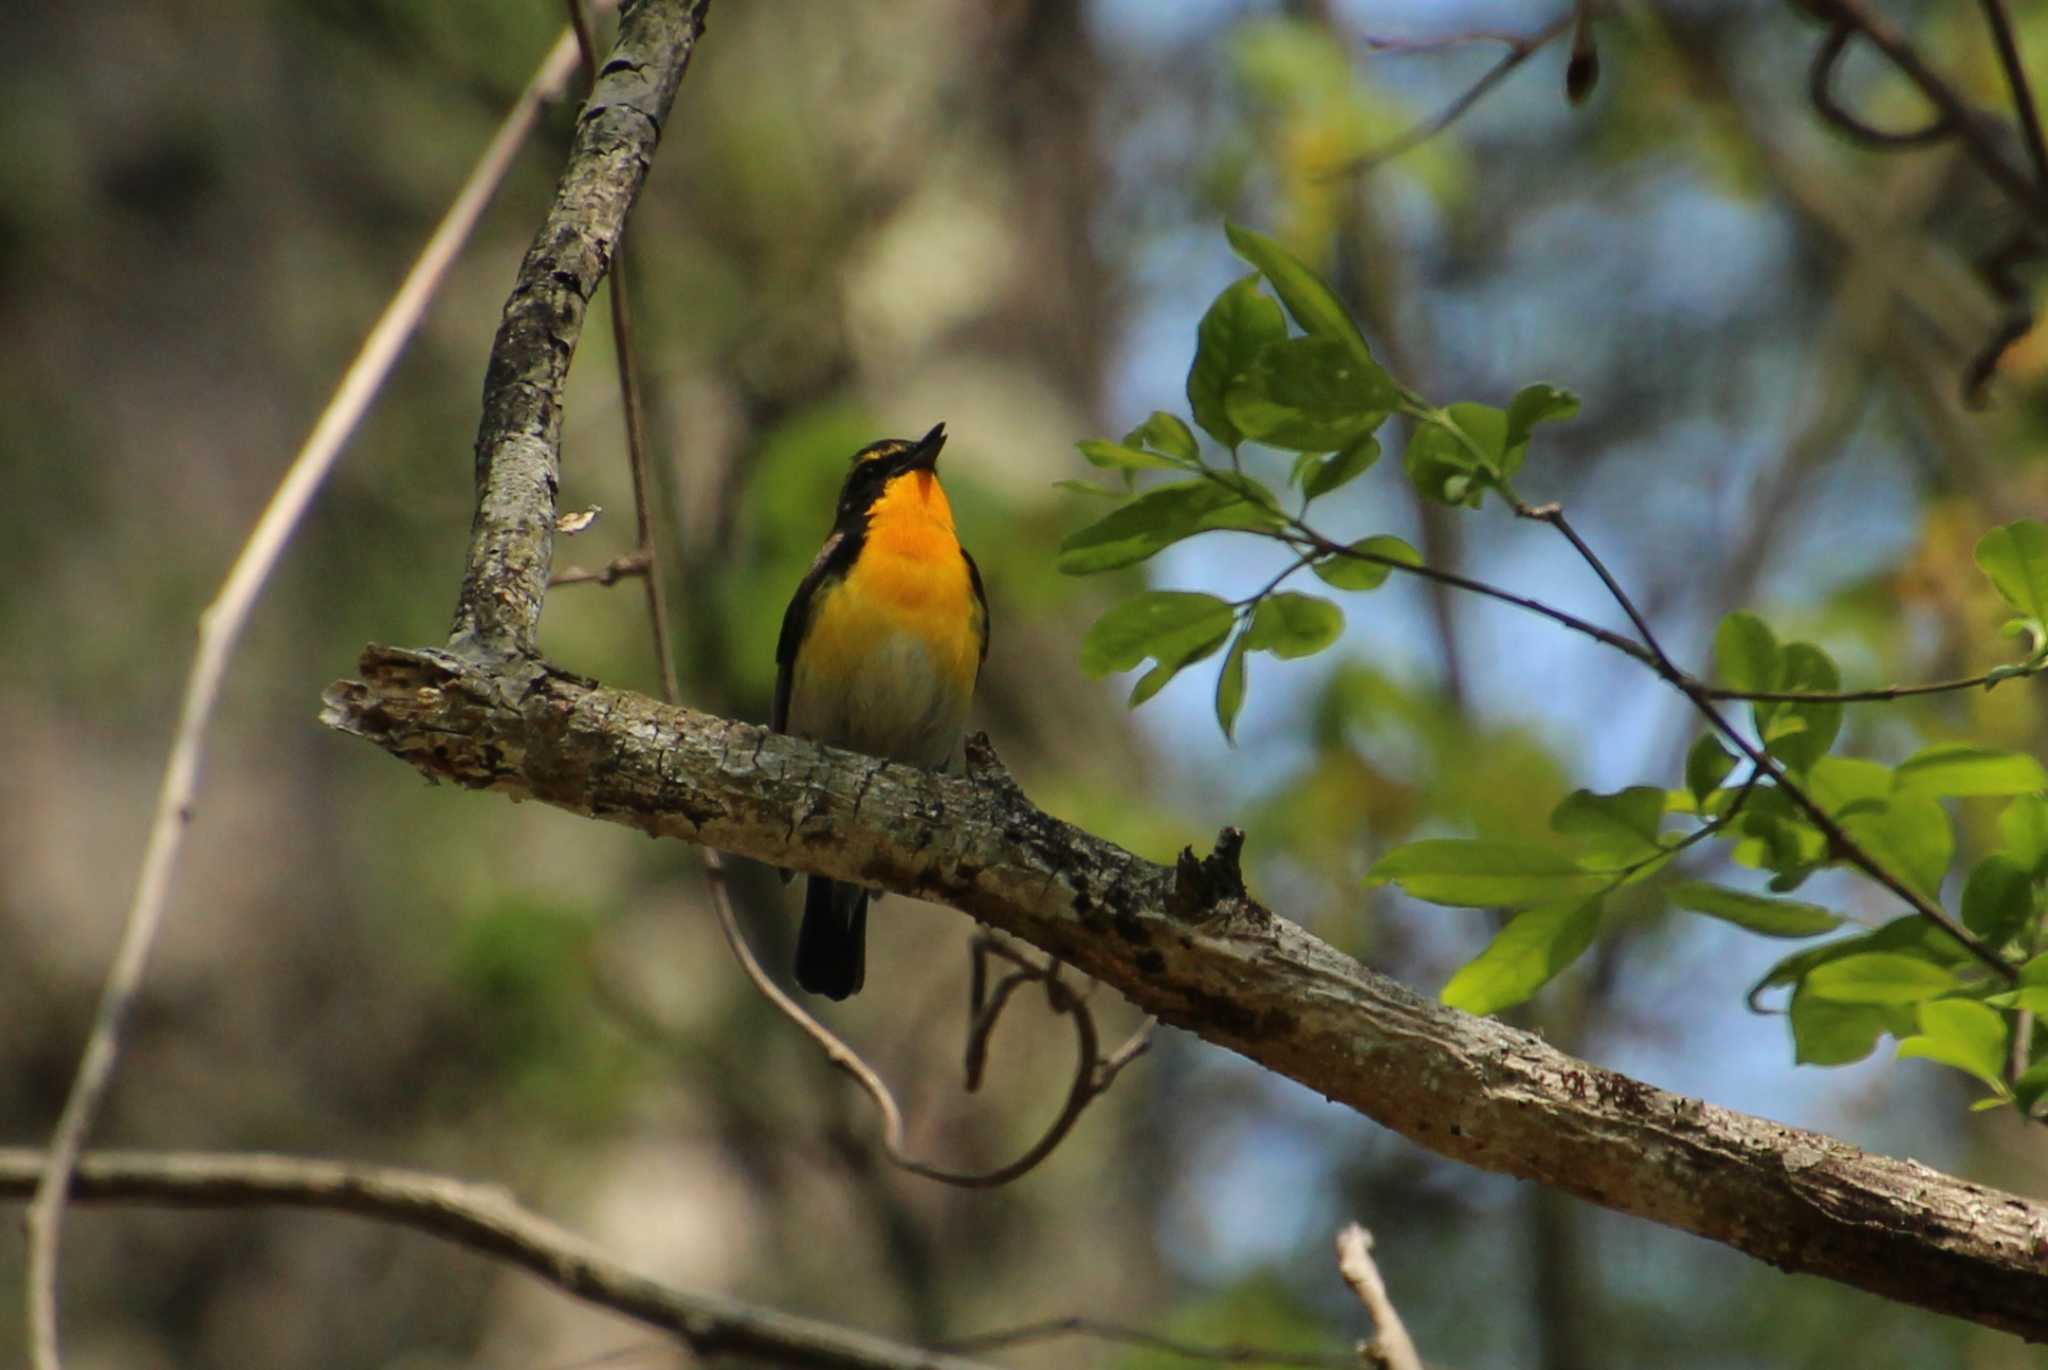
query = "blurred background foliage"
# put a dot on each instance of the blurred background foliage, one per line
(866, 219)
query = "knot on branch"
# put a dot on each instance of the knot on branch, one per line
(1203, 887)
(986, 769)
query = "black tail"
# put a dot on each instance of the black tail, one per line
(831, 946)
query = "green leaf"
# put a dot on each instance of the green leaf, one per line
(1746, 653)
(1082, 487)
(1911, 935)
(1482, 432)
(1158, 518)
(1535, 404)
(2032, 1084)
(1836, 782)
(1176, 628)
(1524, 956)
(1909, 835)
(1826, 1033)
(2027, 999)
(1963, 1034)
(1441, 467)
(1238, 326)
(1230, 685)
(1291, 625)
(2016, 559)
(1309, 395)
(1800, 734)
(1101, 452)
(1998, 899)
(1759, 913)
(1341, 468)
(2024, 828)
(1484, 874)
(1168, 435)
(1879, 977)
(1313, 305)
(1614, 829)
(1706, 766)
(1356, 572)
(1962, 769)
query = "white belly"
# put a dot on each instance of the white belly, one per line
(896, 703)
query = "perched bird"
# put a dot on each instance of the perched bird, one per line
(879, 653)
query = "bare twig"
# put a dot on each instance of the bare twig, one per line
(1301, 535)
(2015, 69)
(1092, 1074)
(1520, 50)
(1234, 1353)
(1957, 119)
(221, 627)
(1393, 1347)
(479, 1218)
(622, 567)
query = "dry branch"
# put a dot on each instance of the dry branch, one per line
(481, 1218)
(1187, 949)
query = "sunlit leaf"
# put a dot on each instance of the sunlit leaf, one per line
(1101, 452)
(1168, 434)
(1441, 468)
(1879, 977)
(2016, 559)
(1911, 935)
(1963, 769)
(1613, 829)
(1158, 518)
(1238, 326)
(1356, 572)
(1963, 1034)
(1827, 1033)
(1311, 302)
(1309, 395)
(1484, 874)
(1836, 782)
(1756, 912)
(1524, 956)
(1910, 835)
(2024, 828)
(1176, 628)
(1291, 625)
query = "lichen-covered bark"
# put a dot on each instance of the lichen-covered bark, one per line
(519, 441)
(1185, 945)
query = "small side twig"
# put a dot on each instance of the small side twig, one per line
(221, 627)
(1393, 1348)
(623, 567)
(1092, 1074)
(1520, 50)
(1232, 1353)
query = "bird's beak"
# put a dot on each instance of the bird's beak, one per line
(925, 455)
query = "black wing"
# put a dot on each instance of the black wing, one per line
(831, 561)
(980, 598)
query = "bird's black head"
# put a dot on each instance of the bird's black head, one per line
(875, 465)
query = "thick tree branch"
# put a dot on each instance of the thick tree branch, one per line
(519, 442)
(1198, 955)
(481, 1218)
